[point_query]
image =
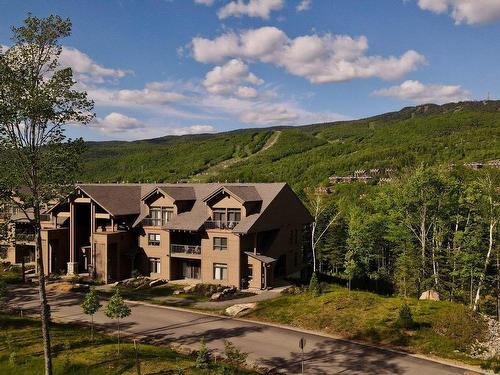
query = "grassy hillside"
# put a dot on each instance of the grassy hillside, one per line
(442, 329)
(306, 156)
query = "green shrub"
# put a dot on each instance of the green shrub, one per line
(13, 359)
(234, 356)
(459, 324)
(492, 364)
(203, 356)
(314, 287)
(405, 319)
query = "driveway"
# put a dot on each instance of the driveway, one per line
(269, 346)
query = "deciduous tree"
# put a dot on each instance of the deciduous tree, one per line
(37, 100)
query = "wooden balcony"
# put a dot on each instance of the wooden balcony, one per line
(182, 250)
(215, 224)
(150, 222)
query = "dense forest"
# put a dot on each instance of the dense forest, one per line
(432, 225)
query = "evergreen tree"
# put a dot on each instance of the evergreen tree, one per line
(314, 287)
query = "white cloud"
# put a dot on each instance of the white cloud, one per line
(252, 8)
(86, 69)
(124, 127)
(193, 129)
(420, 93)
(265, 112)
(117, 123)
(229, 78)
(465, 11)
(205, 2)
(303, 5)
(320, 59)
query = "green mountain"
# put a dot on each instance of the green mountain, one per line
(307, 155)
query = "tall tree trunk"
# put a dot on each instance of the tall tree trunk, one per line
(423, 242)
(498, 286)
(313, 244)
(486, 263)
(44, 305)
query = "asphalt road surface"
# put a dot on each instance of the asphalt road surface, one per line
(272, 347)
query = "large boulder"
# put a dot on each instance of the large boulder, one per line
(238, 309)
(430, 295)
(157, 282)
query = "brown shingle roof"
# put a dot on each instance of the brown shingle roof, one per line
(117, 199)
(179, 193)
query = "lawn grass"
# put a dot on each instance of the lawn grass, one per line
(443, 329)
(150, 294)
(21, 352)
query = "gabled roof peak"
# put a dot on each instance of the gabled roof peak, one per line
(242, 193)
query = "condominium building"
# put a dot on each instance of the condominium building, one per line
(245, 235)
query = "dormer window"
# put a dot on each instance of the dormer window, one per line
(225, 218)
(160, 215)
(233, 215)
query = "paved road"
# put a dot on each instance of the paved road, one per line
(269, 346)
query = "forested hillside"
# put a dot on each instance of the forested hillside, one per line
(432, 225)
(306, 156)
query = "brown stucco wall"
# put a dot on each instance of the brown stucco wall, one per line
(231, 257)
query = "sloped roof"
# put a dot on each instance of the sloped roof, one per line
(264, 259)
(243, 193)
(277, 202)
(177, 193)
(117, 199)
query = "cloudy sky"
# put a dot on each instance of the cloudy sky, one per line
(158, 67)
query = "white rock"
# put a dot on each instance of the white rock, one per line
(157, 282)
(238, 309)
(430, 295)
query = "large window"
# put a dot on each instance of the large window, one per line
(220, 271)
(153, 239)
(220, 215)
(220, 243)
(233, 215)
(160, 215)
(154, 265)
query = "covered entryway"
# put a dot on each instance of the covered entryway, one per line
(259, 271)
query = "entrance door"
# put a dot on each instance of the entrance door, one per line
(191, 269)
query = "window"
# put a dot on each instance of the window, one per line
(167, 213)
(220, 271)
(220, 215)
(233, 214)
(154, 265)
(153, 239)
(155, 213)
(220, 243)
(250, 272)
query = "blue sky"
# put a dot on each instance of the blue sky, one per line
(163, 67)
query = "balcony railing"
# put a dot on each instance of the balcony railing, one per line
(150, 222)
(185, 249)
(25, 237)
(216, 224)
